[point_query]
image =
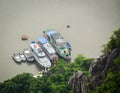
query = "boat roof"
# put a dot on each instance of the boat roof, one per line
(50, 32)
(42, 40)
(56, 36)
(37, 49)
(34, 46)
(60, 42)
(49, 48)
(45, 62)
(27, 53)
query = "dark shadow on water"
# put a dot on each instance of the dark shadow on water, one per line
(18, 63)
(34, 63)
(68, 26)
(31, 63)
(38, 66)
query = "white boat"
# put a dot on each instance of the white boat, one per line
(22, 56)
(16, 58)
(49, 50)
(39, 55)
(28, 55)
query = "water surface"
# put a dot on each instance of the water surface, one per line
(91, 24)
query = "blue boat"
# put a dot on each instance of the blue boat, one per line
(49, 50)
(58, 43)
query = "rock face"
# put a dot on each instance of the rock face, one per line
(98, 69)
(79, 82)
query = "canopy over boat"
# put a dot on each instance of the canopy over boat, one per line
(42, 40)
(46, 45)
(49, 48)
(50, 32)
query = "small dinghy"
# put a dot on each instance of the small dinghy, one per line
(24, 37)
(22, 56)
(28, 55)
(16, 58)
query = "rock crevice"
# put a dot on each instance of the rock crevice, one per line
(98, 70)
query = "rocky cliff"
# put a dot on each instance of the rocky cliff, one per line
(79, 82)
(98, 70)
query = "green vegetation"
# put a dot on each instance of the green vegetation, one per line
(54, 81)
(112, 81)
(113, 43)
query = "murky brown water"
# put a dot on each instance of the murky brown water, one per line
(91, 24)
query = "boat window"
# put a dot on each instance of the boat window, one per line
(41, 56)
(52, 37)
(48, 38)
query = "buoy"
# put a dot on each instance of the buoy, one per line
(24, 37)
(68, 26)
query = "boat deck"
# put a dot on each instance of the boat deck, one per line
(38, 61)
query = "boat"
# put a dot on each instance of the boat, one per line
(28, 55)
(58, 43)
(40, 55)
(49, 50)
(24, 37)
(22, 56)
(16, 58)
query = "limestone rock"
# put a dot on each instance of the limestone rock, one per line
(99, 66)
(98, 69)
(79, 82)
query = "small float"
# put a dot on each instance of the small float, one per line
(24, 37)
(68, 26)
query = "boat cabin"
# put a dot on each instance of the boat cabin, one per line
(49, 50)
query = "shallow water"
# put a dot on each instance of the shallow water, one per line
(91, 24)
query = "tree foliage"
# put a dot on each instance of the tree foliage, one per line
(112, 81)
(113, 43)
(54, 81)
